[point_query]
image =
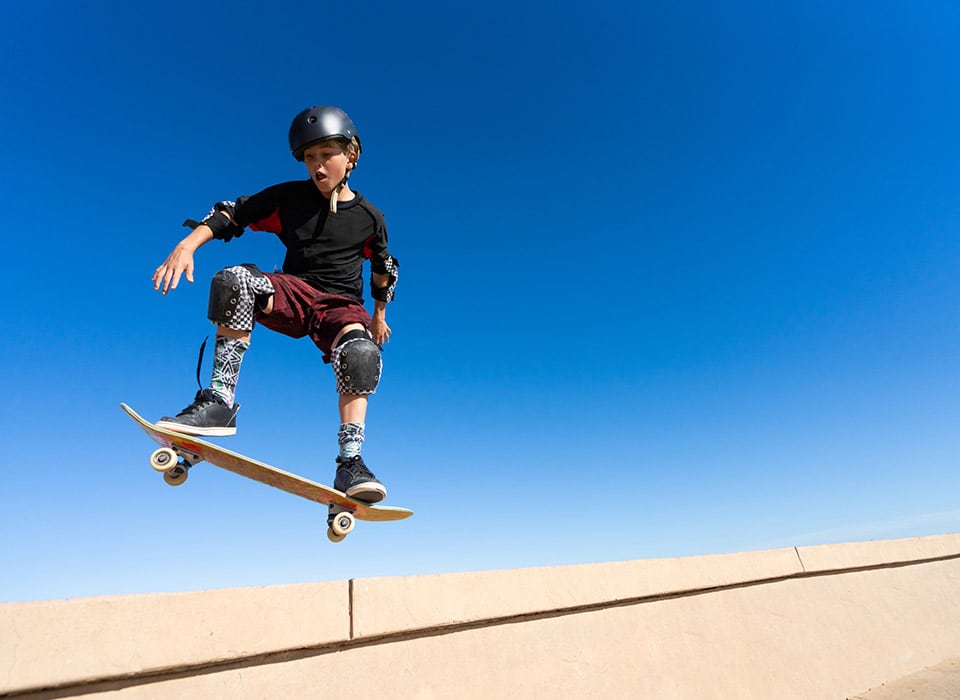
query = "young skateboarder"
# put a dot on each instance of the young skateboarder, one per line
(328, 231)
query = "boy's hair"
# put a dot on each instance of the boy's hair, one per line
(351, 146)
(348, 146)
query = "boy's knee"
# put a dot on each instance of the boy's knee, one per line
(236, 294)
(356, 364)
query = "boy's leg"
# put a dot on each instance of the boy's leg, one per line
(356, 363)
(353, 408)
(237, 294)
(329, 320)
(353, 413)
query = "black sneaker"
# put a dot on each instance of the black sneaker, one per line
(355, 480)
(207, 415)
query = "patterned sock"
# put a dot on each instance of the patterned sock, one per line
(227, 356)
(350, 438)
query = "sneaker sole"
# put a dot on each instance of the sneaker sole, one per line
(194, 430)
(368, 493)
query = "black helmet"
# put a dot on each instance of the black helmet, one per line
(319, 124)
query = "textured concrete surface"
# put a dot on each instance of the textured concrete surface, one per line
(55, 643)
(388, 605)
(940, 682)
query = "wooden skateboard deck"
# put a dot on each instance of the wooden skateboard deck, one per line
(178, 453)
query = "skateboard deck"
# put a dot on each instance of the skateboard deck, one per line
(179, 453)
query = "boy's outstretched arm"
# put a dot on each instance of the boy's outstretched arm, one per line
(180, 261)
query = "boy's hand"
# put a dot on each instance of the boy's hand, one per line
(379, 330)
(378, 323)
(178, 263)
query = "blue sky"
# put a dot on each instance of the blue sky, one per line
(674, 280)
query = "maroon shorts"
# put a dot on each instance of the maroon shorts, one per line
(300, 310)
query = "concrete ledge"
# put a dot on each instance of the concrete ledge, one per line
(394, 605)
(809, 622)
(853, 555)
(62, 642)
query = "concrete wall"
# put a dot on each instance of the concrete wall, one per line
(806, 622)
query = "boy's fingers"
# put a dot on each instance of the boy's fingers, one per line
(168, 281)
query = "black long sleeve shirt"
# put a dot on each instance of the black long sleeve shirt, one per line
(325, 250)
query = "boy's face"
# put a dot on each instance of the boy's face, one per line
(328, 163)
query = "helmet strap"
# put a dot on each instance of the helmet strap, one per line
(336, 194)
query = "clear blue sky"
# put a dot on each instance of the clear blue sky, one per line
(675, 280)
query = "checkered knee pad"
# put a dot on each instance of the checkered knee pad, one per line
(356, 364)
(233, 296)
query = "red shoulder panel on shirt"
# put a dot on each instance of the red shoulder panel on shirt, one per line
(271, 224)
(368, 248)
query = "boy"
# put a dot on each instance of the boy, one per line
(328, 231)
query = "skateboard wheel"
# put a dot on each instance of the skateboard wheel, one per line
(334, 537)
(175, 476)
(341, 524)
(163, 459)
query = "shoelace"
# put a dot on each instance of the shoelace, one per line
(355, 467)
(199, 401)
(203, 346)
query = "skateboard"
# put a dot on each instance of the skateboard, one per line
(179, 453)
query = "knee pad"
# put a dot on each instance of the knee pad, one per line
(356, 364)
(236, 294)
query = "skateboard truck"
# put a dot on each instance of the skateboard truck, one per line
(174, 463)
(340, 523)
